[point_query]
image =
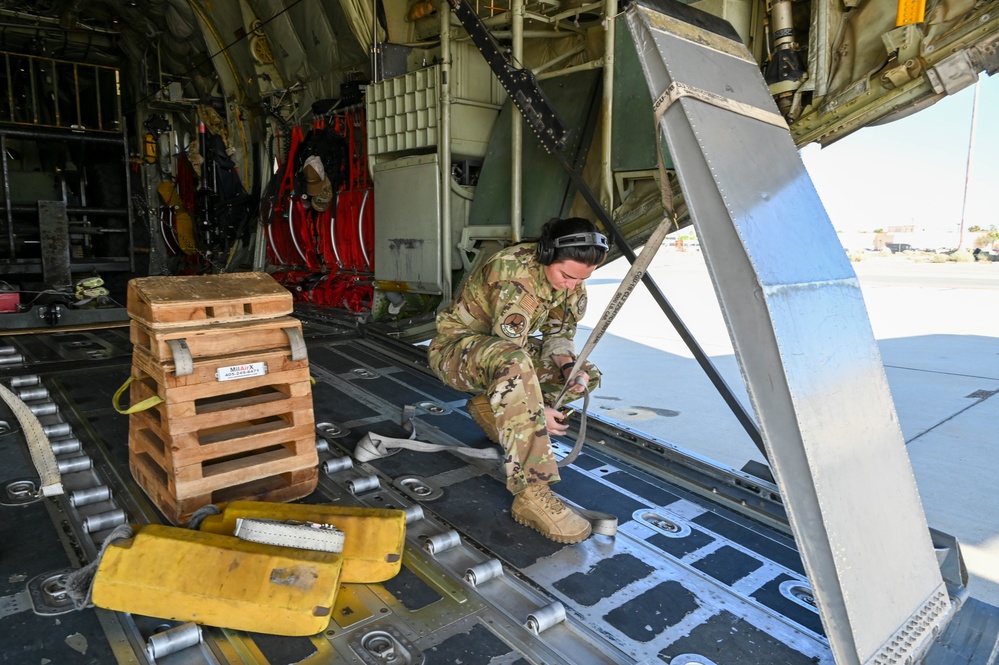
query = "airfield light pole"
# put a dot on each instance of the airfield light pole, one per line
(967, 168)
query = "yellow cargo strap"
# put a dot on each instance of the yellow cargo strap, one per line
(38, 444)
(147, 403)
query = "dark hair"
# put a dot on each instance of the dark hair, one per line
(591, 251)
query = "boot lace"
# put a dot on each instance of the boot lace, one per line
(547, 498)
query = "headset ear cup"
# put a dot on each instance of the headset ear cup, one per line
(545, 251)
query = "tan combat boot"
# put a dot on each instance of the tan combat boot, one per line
(478, 407)
(538, 508)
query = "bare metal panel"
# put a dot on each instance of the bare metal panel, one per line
(804, 343)
(407, 228)
(53, 227)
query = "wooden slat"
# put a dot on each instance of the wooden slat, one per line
(285, 486)
(188, 448)
(176, 419)
(164, 302)
(280, 369)
(224, 339)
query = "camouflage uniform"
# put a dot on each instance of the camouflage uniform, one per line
(483, 345)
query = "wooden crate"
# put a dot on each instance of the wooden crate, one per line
(223, 339)
(202, 382)
(212, 441)
(164, 302)
(279, 487)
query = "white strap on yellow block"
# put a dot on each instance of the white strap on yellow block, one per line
(300, 535)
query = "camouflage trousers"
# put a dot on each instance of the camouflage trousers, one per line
(518, 383)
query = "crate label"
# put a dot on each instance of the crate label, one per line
(240, 371)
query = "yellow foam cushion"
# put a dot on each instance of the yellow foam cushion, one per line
(218, 580)
(374, 538)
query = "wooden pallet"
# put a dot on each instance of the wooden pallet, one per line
(164, 302)
(223, 339)
(211, 441)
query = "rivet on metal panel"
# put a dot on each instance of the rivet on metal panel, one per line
(442, 542)
(337, 464)
(484, 572)
(362, 484)
(173, 640)
(545, 617)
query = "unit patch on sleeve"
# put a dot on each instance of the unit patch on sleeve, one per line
(581, 307)
(513, 325)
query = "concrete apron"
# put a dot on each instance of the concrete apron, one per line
(937, 336)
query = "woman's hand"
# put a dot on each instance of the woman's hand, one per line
(553, 422)
(579, 383)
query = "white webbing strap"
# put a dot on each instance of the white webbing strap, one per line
(624, 289)
(601, 524)
(375, 446)
(38, 444)
(297, 343)
(300, 535)
(183, 364)
(580, 435)
(676, 90)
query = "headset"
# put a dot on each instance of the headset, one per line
(547, 246)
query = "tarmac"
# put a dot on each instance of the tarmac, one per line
(937, 326)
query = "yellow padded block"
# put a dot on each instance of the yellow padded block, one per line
(216, 580)
(374, 538)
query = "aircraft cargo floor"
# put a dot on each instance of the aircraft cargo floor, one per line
(684, 580)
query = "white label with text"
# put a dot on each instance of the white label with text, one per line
(240, 371)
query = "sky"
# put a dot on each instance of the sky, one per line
(912, 171)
